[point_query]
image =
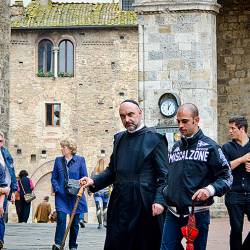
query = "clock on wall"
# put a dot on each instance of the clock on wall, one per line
(168, 105)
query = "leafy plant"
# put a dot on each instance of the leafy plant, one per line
(65, 74)
(41, 73)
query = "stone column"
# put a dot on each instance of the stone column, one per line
(177, 54)
(4, 64)
(56, 52)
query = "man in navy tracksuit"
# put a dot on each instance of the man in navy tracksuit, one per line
(237, 200)
(198, 171)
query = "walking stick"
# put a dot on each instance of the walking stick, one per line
(79, 195)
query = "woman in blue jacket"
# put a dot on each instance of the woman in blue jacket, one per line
(69, 166)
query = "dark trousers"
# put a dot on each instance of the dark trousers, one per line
(18, 209)
(172, 236)
(238, 204)
(24, 211)
(61, 227)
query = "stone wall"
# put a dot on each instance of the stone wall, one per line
(178, 55)
(233, 40)
(106, 72)
(4, 64)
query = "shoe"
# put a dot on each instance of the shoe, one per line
(1, 244)
(82, 225)
(99, 226)
(55, 247)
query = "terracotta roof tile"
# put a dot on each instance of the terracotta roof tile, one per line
(74, 14)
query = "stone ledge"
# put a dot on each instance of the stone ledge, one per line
(160, 6)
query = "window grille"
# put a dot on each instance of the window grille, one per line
(127, 4)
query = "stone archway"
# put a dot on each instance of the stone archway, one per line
(41, 179)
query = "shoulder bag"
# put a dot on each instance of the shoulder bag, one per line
(72, 186)
(28, 197)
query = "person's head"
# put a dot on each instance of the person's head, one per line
(23, 173)
(188, 119)
(46, 198)
(100, 166)
(237, 127)
(130, 114)
(68, 147)
(2, 139)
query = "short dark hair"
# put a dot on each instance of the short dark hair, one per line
(23, 173)
(132, 101)
(240, 122)
(191, 107)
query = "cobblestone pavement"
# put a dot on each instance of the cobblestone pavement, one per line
(40, 236)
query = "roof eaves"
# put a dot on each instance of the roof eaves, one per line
(75, 27)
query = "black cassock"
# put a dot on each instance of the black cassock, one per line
(138, 172)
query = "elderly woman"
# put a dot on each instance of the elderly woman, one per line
(68, 166)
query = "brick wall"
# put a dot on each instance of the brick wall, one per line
(106, 72)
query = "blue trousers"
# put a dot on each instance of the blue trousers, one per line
(2, 223)
(172, 236)
(61, 227)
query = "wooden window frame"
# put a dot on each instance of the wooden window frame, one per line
(52, 115)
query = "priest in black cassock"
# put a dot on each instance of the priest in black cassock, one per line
(138, 171)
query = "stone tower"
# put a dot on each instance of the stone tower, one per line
(4, 64)
(177, 55)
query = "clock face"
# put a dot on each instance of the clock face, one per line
(168, 107)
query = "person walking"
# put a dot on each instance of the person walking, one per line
(237, 200)
(137, 170)
(66, 167)
(198, 171)
(43, 211)
(4, 191)
(25, 185)
(7, 162)
(101, 197)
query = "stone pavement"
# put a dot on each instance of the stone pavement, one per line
(40, 236)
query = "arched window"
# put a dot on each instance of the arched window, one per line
(45, 57)
(66, 58)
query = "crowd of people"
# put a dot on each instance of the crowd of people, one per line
(154, 191)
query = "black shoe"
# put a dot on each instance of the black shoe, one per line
(1, 244)
(82, 225)
(54, 247)
(99, 226)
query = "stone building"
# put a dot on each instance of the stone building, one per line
(72, 64)
(4, 64)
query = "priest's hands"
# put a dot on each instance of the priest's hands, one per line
(157, 209)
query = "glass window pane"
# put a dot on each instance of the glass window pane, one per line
(41, 53)
(62, 57)
(70, 56)
(57, 111)
(49, 57)
(48, 114)
(45, 57)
